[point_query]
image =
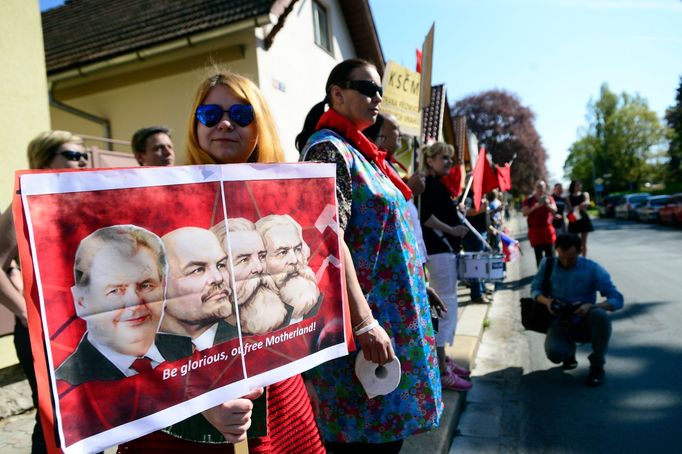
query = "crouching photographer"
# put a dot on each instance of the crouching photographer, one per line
(575, 281)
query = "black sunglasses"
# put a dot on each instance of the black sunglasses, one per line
(210, 114)
(365, 87)
(71, 155)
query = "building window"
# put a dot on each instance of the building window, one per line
(321, 26)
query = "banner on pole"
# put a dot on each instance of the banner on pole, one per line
(401, 97)
(427, 68)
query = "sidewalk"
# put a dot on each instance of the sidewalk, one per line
(471, 324)
(470, 327)
(16, 412)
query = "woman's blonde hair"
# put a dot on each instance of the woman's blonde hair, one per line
(268, 148)
(44, 147)
(433, 150)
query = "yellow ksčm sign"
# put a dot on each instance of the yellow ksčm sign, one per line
(401, 97)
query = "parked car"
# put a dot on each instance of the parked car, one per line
(648, 211)
(627, 205)
(607, 207)
(671, 212)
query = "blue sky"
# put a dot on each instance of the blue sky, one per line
(553, 54)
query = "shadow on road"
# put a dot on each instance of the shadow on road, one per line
(517, 284)
(638, 409)
(632, 310)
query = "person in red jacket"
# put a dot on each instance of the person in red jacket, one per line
(540, 208)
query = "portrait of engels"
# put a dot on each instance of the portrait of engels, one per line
(119, 281)
(261, 309)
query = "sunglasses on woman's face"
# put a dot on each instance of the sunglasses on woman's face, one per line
(365, 87)
(210, 114)
(71, 155)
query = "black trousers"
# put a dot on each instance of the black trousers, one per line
(22, 345)
(544, 249)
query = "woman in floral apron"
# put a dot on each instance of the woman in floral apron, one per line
(381, 253)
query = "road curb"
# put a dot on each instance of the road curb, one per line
(470, 327)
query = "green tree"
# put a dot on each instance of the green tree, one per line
(507, 129)
(673, 118)
(622, 137)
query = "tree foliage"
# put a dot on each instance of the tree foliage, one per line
(673, 118)
(621, 138)
(507, 130)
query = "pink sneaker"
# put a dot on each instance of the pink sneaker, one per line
(454, 383)
(455, 368)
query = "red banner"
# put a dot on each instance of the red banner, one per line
(484, 178)
(149, 289)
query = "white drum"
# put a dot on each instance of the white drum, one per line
(481, 265)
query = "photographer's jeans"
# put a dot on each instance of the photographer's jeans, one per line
(562, 337)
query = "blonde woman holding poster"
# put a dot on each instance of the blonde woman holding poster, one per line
(231, 123)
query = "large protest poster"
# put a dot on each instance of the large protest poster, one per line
(159, 293)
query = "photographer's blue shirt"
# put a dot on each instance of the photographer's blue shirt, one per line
(579, 283)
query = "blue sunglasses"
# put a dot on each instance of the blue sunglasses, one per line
(210, 114)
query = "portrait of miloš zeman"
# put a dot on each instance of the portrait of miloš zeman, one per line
(119, 279)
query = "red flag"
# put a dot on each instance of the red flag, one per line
(484, 178)
(504, 177)
(453, 181)
(419, 61)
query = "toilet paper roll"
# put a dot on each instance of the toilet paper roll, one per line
(377, 380)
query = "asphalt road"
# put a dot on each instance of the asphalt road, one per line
(523, 403)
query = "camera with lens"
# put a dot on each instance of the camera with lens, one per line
(564, 310)
(561, 308)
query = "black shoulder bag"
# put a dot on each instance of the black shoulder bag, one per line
(535, 316)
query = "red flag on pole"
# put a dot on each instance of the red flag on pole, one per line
(453, 181)
(484, 178)
(504, 177)
(419, 61)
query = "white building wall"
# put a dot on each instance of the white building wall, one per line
(293, 72)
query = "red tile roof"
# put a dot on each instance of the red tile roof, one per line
(86, 31)
(82, 32)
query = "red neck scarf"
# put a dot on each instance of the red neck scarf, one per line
(394, 161)
(337, 122)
